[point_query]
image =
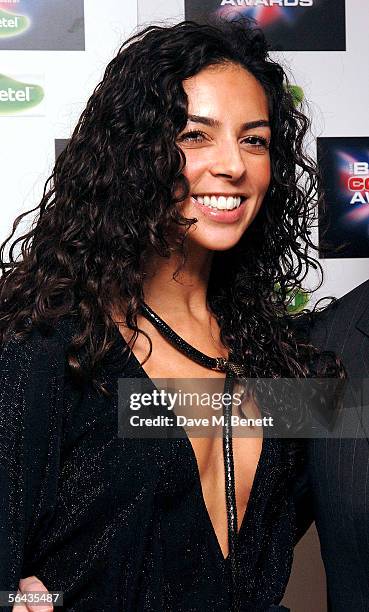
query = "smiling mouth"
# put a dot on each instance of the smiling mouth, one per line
(220, 202)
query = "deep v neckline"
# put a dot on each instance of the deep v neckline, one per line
(248, 510)
(223, 560)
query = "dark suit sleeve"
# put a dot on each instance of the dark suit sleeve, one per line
(31, 398)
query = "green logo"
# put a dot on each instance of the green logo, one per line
(297, 94)
(12, 24)
(16, 96)
(297, 300)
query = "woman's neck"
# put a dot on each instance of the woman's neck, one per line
(185, 296)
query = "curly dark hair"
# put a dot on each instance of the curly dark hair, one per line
(111, 200)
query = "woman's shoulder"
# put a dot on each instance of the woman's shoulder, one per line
(38, 347)
(44, 351)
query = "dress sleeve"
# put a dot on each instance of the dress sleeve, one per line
(302, 495)
(31, 400)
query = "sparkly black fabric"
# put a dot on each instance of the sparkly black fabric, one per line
(121, 524)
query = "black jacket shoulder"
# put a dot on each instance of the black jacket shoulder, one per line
(340, 319)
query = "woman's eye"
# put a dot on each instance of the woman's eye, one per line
(193, 136)
(258, 142)
(196, 136)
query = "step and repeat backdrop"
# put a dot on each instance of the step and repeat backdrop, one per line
(54, 53)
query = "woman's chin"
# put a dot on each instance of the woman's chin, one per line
(213, 242)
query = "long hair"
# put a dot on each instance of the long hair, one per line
(113, 197)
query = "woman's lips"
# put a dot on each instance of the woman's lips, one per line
(222, 216)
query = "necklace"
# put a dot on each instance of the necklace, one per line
(232, 370)
(213, 363)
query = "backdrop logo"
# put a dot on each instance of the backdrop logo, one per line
(358, 182)
(42, 25)
(267, 3)
(297, 94)
(289, 25)
(12, 24)
(17, 96)
(266, 12)
(297, 300)
(345, 169)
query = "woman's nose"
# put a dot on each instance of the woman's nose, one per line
(229, 161)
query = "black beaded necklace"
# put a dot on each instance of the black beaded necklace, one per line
(213, 363)
(232, 370)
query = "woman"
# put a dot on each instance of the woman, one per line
(176, 200)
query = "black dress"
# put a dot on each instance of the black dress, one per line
(121, 524)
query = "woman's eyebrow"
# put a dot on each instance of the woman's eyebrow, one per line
(249, 125)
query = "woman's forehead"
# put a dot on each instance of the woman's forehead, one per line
(225, 90)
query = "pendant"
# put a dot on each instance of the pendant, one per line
(223, 365)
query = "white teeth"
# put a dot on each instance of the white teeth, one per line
(231, 202)
(221, 202)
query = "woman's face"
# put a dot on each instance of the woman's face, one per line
(226, 144)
